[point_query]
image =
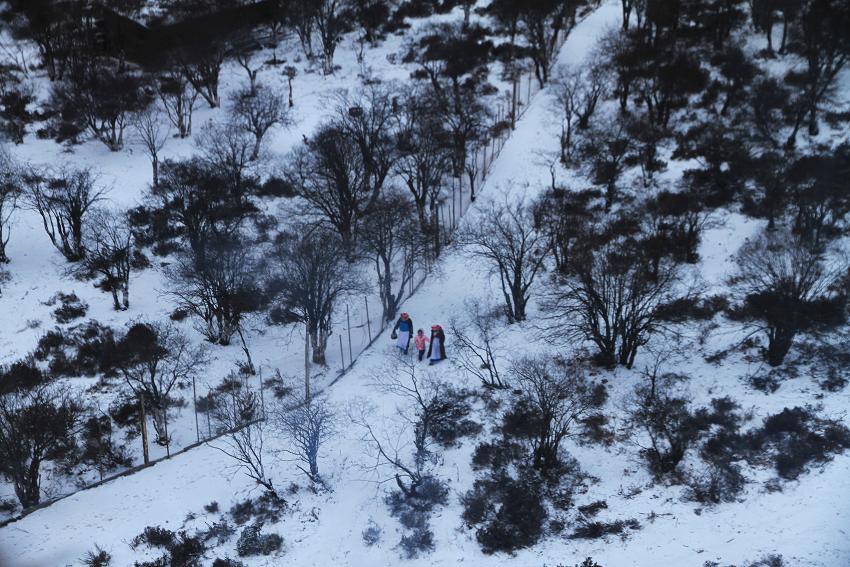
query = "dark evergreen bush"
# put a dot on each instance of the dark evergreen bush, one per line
(253, 542)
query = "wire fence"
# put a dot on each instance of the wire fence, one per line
(363, 321)
(362, 326)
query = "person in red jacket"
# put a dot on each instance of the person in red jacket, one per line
(421, 341)
(437, 348)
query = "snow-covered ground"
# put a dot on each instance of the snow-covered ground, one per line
(808, 522)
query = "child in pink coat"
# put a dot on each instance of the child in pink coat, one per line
(421, 341)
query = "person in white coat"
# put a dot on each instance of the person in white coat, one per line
(403, 332)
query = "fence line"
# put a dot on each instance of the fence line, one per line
(486, 152)
(450, 212)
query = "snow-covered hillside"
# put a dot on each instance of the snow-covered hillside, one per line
(806, 520)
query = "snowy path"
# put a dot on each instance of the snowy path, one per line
(807, 523)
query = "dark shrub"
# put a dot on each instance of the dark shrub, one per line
(252, 542)
(795, 438)
(96, 558)
(595, 530)
(70, 307)
(276, 187)
(265, 509)
(178, 315)
(597, 429)
(83, 350)
(693, 309)
(431, 493)
(227, 562)
(154, 536)
(496, 455)
(593, 508)
(450, 409)
(417, 541)
(21, 375)
(211, 508)
(509, 512)
(719, 483)
(187, 551)
(372, 534)
(221, 532)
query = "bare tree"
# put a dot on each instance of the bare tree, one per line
(220, 287)
(257, 111)
(424, 159)
(310, 276)
(109, 245)
(476, 335)
(201, 65)
(301, 17)
(152, 134)
(178, 98)
(540, 22)
(330, 21)
(10, 193)
(556, 395)
(63, 199)
(329, 174)
(389, 446)
(577, 92)
(421, 411)
(155, 358)
(506, 238)
(606, 147)
(239, 415)
(367, 119)
(37, 425)
(610, 297)
(228, 149)
(244, 47)
(389, 238)
(290, 73)
(785, 286)
(308, 423)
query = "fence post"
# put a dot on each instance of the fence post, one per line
(341, 353)
(529, 89)
(195, 400)
(368, 323)
(209, 423)
(306, 364)
(350, 350)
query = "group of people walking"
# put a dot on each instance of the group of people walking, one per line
(436, 344)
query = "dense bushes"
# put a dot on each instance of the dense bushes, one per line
(509, 512)
(179, 548)
(253, 542)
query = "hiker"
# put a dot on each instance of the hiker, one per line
(402, 332)
(421, 340)
(437, 348)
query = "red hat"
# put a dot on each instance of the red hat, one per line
(436, 328)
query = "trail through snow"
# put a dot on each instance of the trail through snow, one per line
(808, 523)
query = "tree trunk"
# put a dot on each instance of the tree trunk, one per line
(155, 167)
(318, 343)
(779, 343)
(28, 489)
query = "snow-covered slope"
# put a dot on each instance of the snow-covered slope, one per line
(807, 522)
